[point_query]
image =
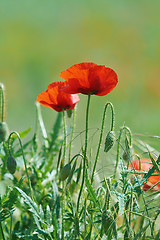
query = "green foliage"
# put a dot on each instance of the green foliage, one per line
(110, 208)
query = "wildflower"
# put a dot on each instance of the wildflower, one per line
(54, 97)
(145, 165)
(89, 78)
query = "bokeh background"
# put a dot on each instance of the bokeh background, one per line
(39, 39)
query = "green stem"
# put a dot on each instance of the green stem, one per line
(85, 152)
(65, 136)
(62, 210)
(73, 127)
(10, 232)
(118, 146)
(101, 135)
(25, 163)
(64, 153)
(2, 102)
(2, 231)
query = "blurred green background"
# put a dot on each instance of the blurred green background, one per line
(41, 38)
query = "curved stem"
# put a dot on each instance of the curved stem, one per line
(2, 231)
(2, 103)
(85, 151)
(101, 134)
(75, 156)
(10, 232)
(119, 138)
(25, 163)
(73, 127)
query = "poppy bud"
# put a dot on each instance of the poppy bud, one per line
(127, 154)
(109, 141)
(3, 131)
(11, 164)
(107, 219)
(65, 171)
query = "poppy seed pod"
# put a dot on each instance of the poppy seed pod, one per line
(3, 131)
(11, 164)
(109, 141)
(107, 219)
(65, 171)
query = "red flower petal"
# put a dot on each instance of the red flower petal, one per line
(89, 78)
(54, 97)
(146, 164)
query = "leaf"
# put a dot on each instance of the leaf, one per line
(121, 203)
(33, 208)
(91, 192)
(25, 132)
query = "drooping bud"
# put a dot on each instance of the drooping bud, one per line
(65, 171)
(107, 220)
(3, 131)
(109, 141)
(11, 164)
(127, 154)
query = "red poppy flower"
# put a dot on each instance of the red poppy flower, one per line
(89, 78)
(146, 164)
(57, 99)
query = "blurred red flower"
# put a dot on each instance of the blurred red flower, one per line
(146, 164)
(89, 78)
(54, 97)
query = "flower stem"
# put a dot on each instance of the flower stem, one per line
(119, 138)
(2, 99)
(2, 231)
(73, 127)
(65, 135)
(85, 151)
(101, 135)
(25, 164)
(64, 153)
(10, 232)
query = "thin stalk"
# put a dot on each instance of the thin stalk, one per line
(62, 211)
(64, 153)
(85, 152)
(2, 231)
(118, 146)
(10, 231)
(65, 135)
(2, 102)
(25, 163)
(73, 128)
(101, 134)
